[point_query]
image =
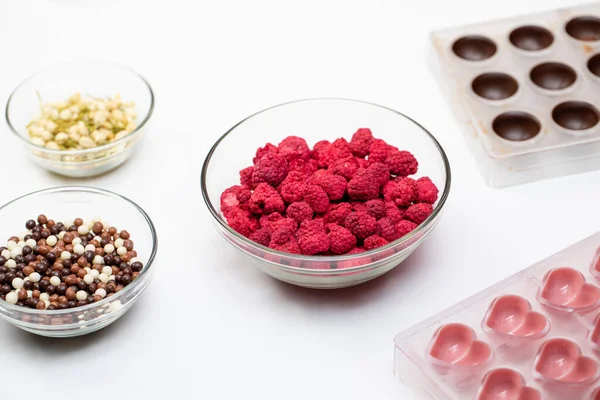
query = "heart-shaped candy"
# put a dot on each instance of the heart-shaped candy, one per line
(506, 384)
(565, 289)
(511, 315)
(560, 361)
(456, 344)
(595, 332)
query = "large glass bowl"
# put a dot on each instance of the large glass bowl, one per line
(91, 78)
(316, 120)
(69, 202)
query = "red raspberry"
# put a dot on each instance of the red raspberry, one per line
(246, 177)
(380, 172)
(306, 168)
(387, 229)
(358, 206)
(292, 187)
(346, 167)
(376, 208)
(289, 247)
(334, 185)
(242, 221)
(394, 213)
(362, 163)
(281, 236)
(319, 148)
(379, 151)
(261, 236)
(363, 187)
(289, 224)
(271, 168)
(337, 213)
(404, 227)
(405, 192)
(337, 150)
(313, 242)
(342, 240)
(235, 196)
(419, 212)
(266, 200)
(299, 211)
(427, 192)
(261, 151)
(266, 221)
(316, 197)
(355, 262)
(294, 147)
(356, 250)
(361, 224)
(374, 241)
(388, 191)
(315, 225)
(401, 163)
(360, 144)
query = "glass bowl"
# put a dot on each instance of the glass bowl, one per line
(91, 78)
(69, 202)
(315, 120)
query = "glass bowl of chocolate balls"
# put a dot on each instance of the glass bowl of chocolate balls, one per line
(64, 269)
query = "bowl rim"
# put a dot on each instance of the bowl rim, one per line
(216, 215)
(139, 127)
(106, 300)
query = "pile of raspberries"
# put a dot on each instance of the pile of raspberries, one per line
(338, 198)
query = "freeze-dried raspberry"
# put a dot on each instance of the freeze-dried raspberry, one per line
(281, 236)
(265, 200)
(261, 151)
(360, 144)
(292, 187)
(388, 190)
(363, 187)
(379, 151)
(419, 212)
(305, 167)
(246, 177)
(375, 208)
(358, 206)
(235, 196)
(299, 211)
(401, 163)
(337, 213)
(363, 163)
(337, 150)
(361, 224)
(405, 192)
(317, 198)
(294, 147)
(394, 213)
(374, 241)
(267, 220)
(354, 262)
(261, 236)
(242, 221)
(427, 192)
(312, 243)
(346, 167)
(271, 168)
(289, 247)
(356, 250)
(342, 240)
(405, 226)
(289, 224)
(386, 228)
(315, 225)
(378, 171)
(319, 149)
(334, 185)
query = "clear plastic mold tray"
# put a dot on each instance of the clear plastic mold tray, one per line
(526, 91)
(533, 336)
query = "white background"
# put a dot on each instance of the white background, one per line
(211, 326)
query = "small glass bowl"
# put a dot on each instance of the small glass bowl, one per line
(315, 120)
(69, 202)
(92, 78)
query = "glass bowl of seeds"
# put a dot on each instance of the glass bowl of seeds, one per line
(65, 270)
(81, 118)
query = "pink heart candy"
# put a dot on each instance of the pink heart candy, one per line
(565, 289)
(506, 384)
(456, 344)
(511, 315)
(560, 361)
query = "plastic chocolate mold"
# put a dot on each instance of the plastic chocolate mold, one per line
(534, 335)
(544, 66)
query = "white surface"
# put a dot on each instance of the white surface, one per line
(236, 333)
